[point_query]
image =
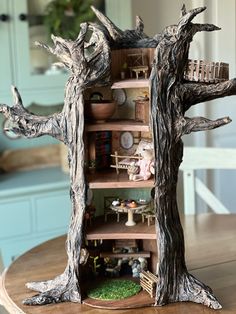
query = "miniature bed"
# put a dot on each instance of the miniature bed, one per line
(123, 162)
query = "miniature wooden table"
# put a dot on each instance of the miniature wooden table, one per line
(139, 69)
(130, 211)
(210, 255)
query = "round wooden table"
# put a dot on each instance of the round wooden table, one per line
(130, 212)
(210, 255)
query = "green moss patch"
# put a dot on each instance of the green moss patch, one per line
(114, 289)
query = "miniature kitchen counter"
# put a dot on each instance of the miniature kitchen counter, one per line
(210, 254)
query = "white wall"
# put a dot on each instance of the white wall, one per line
(223, 48)
(157, 14)
(215, 46)
(119, 11)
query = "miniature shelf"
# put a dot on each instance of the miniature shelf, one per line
(118, 125)
(145, 254)
(131, 83)
(112, 230)
(110, 180)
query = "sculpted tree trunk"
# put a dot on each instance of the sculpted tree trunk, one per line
(67, 126)
(171, 96)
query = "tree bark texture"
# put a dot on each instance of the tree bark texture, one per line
(171, 96)
(67, 126)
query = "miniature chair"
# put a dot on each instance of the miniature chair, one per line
(136, 63)
(148, 214)
(89, 214)
(107, 210)
(149, 217)
(196, 158)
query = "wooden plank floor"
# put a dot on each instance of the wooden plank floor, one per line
(114, 230)
(210, 254)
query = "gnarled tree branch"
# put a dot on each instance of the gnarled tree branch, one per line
(114, 32)
(28, 124)
(183, 11)
(186, 19)
(194, 93)
(71, 53)
(139, 24)
(125, 39)
(205, 27)
(187, 125)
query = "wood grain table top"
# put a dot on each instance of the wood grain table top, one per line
(210, 254)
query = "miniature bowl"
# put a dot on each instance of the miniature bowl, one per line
(99, 110)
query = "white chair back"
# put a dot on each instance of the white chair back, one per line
(196, 158)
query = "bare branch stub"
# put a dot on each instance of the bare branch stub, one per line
(188, 125)
(28, 124)
(125, 39)
(195, 93)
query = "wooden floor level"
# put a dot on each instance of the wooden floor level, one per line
(118, 230)
(210, 255)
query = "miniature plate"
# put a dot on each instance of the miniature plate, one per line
(119, 95)
(126, 140)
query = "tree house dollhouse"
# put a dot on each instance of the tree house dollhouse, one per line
(97, 60)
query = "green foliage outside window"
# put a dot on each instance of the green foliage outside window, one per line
(63, 17)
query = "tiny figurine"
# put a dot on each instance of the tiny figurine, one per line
(142, 145)
(138, 265)
(84, 254)
(132, 170)
(113, 267)
(146, 166)
(140, 166)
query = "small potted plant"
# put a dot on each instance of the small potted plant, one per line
(92, 165)
(123, 71)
